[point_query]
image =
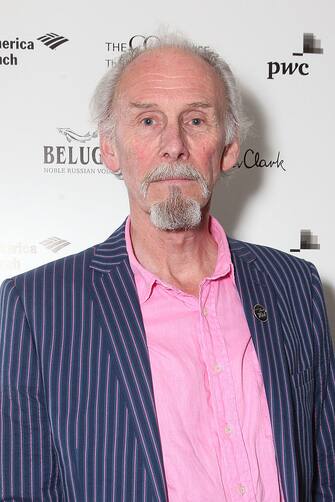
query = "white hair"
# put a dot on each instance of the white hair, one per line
(102, 102)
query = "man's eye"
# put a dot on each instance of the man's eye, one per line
(147, 121)
(196, 121)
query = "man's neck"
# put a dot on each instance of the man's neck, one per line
(180, 258)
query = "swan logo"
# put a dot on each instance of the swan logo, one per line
(71, 135)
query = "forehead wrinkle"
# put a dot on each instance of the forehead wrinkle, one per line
(158, 60)
(184, 77)
(196, 104)
(147, 93)
(169, 64)
(177, 78)
(143, 105)
(200, 104)
(165, 80)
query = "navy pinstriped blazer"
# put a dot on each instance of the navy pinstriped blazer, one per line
(78, 419)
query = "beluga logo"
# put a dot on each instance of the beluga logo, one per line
(75, 153)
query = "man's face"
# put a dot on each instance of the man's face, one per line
(169, 111)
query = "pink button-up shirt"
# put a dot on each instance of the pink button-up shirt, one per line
(211, 405)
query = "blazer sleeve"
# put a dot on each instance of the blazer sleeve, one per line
(324, 472)
(28, 462)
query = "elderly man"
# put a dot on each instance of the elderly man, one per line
(169, 362)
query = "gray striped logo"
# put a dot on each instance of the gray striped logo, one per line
(52, 40)
(55, 244)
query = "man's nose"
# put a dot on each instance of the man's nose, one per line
(173, 144)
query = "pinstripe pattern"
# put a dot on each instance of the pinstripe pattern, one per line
(77, 412)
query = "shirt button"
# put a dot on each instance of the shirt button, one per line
(228, 429)
(205, 312)
(217, 368)
(241, 489)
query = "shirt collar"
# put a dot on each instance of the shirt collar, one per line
(145, 280)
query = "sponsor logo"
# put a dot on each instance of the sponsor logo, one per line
(55, 244)
(275, 68)
(134, 41)
(252, 159)
(52, 40)
(11, 50)
(311, 45)
(17, 248)
(15, 45)
(307, 241)
(79, 154)
(71, 135)
(15, 253)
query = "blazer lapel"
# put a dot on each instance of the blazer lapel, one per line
(255, 288)
(115, 294)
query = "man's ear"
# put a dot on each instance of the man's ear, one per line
(230, 155)
(108, 155)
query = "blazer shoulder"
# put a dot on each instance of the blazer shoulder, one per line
(66, 269)
(282, 267)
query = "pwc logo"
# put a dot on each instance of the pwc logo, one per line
(311, 45)
(307, 241)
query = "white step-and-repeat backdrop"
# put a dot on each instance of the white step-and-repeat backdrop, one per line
(56, 198)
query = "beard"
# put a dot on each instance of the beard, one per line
(176, 212)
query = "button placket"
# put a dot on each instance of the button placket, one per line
(221, 383)
(242, 489)
(228, 429)
(217, 368)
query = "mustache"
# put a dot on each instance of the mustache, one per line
(179, 170)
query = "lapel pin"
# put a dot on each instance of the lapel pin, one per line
(260, 312)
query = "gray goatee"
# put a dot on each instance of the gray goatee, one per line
(176, 212)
